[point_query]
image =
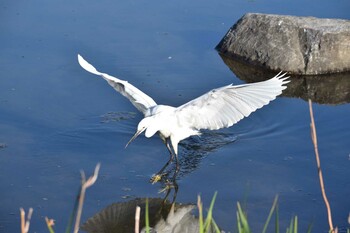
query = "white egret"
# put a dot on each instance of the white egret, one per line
(219, 108)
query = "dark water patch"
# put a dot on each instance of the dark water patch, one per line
(117, 116)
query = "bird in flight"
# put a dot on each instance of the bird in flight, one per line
(219, 108)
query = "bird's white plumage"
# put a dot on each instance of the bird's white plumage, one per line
(219, 108)
(139, 99)
(225, 106)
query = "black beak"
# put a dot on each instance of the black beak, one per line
(135, 136)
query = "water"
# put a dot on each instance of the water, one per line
(56, 119)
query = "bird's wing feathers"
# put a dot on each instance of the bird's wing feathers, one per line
(139, 99)
(225, 106)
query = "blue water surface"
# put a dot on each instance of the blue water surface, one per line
(53, 114)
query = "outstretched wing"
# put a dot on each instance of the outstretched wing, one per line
(139, 99)
(225, 106)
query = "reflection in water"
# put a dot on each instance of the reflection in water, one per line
(163, 217)
(2, 145)
(195, 148)
(117, 116)
(323, 89)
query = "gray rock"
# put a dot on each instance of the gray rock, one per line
(299, 45)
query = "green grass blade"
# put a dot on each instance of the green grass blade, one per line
(216, 228)
(50, 229)
(209, 218)
(309, 228)
(239, 225)
(290, 228)
(49, 225)
(147, 217)
(277, 221)
(296, 224)
(270, 214)
(74, 212)
(293, 226)
(243, 220)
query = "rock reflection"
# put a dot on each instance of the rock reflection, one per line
(163, 217)
(322, 89)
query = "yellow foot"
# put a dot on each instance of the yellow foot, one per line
(165, 189)
(154, 179)
(168, 185)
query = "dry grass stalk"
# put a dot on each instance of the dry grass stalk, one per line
(200, 211)
(84, 185)
(320, 176)
(25, 223)
(137, 219)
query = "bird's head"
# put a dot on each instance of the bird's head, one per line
(142, 126)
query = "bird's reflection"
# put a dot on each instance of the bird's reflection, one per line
(170, 188)
(164, 217)
(165, 214)
(193, 150)
(196, 148)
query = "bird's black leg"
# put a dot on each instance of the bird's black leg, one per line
(158, 176)
(177, 169)
(176, 189)
(169, 185)
(169, 149)
(177, 165)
